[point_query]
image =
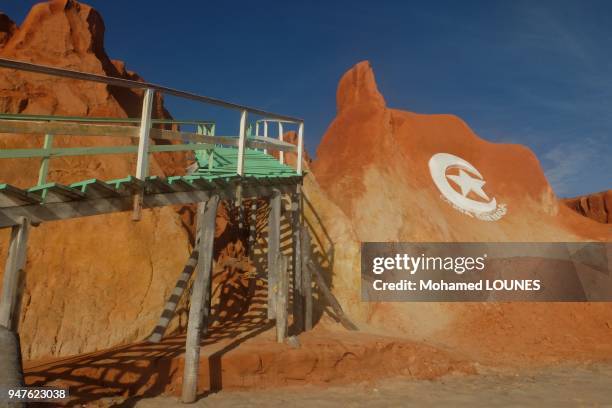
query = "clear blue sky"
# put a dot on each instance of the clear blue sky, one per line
(535, 73)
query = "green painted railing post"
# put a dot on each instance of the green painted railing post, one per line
(44, 163)
(207, 129)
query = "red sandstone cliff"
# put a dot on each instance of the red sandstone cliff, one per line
(372, 183)
(597, 206)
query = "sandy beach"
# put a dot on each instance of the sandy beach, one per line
(558, 386)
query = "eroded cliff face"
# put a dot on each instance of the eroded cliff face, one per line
(372, 183)
(98, 281)
(597, 206)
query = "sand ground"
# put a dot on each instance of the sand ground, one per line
(556, 386)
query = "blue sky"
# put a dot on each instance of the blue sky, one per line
(535, 73)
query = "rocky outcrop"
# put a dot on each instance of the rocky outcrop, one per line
(372, 183)
(597, 206)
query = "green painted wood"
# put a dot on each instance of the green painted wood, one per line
(44, 163)
(129, 183)
(55, 192)
(86, 151)
(94, 188)
(65, 151)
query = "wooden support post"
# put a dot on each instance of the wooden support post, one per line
(175, 296)
(252, 226)
(242, 142)
(306, 278)
(281, 154)
(200, 297)
(265, 134)
(142, 164)
(300, 147)
(298, 288)
(44, 163)
(273, 250)
(15, 265)
(282, 299)
(331, 299)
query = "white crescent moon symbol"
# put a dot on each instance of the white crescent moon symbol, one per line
(438, 164)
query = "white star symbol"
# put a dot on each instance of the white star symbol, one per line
(468, 184)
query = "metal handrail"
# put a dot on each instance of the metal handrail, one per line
(52, 118)
(128, 83)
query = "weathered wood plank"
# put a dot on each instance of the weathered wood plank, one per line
(38, 213)
(281, 154)
(13, 196)
(142, 163)
(44, 163)
(172, 302)
(331, 299)
(200, 299)
(306, 278)
(282, 301)
(259, 142)
(298, 288)
(274, 219)
(84, 129)
(66, 129)
(15, 265)
(193, 137)
(242, 142)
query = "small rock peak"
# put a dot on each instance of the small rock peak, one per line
(358, 86)
(7, 28)
(59, 28)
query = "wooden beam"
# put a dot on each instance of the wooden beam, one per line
(142, 164)
(200, 299)
(193, 137)
(306, 278)
(260, 142)
(274, 219)
(242, 142)
(298, 288)
(13, 271)
(175, 296)
(331, 299)
(44, 163)
(38, 213)
(282, 299)
(84, 129)
(66, 129)
(281, 154)
(265, 134)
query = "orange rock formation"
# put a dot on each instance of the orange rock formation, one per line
(597, 206)
(372, 183)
